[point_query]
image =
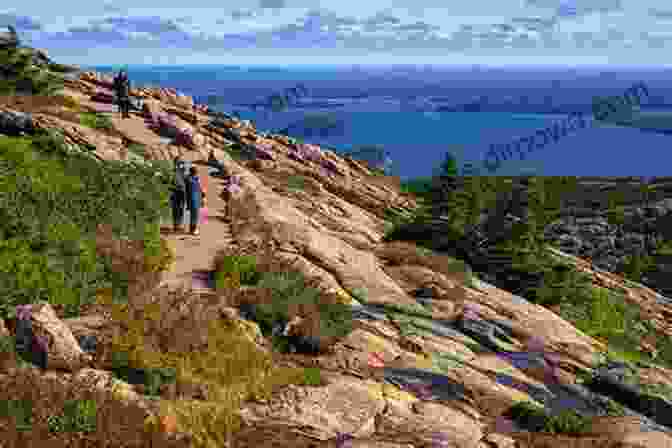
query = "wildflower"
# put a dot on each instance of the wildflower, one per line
(329, 165)
(376, 360)
(440, 440)
(263, 151)
(41, 341)
(422, 391)
(535, 344)
(168, 423)
(504, 425)
(471, 311)
(23, 312)
(344, 440)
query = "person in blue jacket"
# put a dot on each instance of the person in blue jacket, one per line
(195, 199)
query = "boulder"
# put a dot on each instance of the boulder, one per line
(16, 123)
(99, 79)
(103, 97)
(346, 405)
(151, 107)
(7, 353)
(186, 115)
(40, 324)
(9, 39)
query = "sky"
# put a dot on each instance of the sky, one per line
(345, 32)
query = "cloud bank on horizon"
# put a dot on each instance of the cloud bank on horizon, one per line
(425, 32)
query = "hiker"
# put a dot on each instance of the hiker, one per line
(122, 86)
(195, 199)
(179, 194)
(219, 166)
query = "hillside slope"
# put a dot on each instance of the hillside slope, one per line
(434, 357)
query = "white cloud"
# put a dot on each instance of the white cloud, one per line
(514, 30)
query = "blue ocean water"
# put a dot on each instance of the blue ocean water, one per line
(396, 109)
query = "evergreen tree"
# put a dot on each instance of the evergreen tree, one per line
(18, 74)
(449, 165)
(615, 213)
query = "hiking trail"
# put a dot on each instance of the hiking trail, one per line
(194, 255)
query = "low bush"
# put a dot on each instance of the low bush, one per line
(236, 152)
(71, 102)
(174, 331)
(138, 149)
(18, 74)
(241, 267)
(291, 295)
(77, 416)
(402, 253)
(567, 422)
(295, 183)
(52, 205)
(534, 418)
(421, 186)
(60, 68)
(96, 121)
(282, 294)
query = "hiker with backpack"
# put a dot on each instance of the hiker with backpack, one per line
(122, 87)
(179, 194)
(195, 199)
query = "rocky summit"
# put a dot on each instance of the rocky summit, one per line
(371, 342)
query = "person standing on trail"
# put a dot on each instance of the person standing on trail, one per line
(219, 166)
(179, 194)
(195, 199)
(122, 86)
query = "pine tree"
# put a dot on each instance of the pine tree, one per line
(19, 75)
(449, 165)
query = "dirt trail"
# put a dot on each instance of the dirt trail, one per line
(194, 254)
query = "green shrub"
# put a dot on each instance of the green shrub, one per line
(236, 152)
(154, 377)
(420, 186)
(52, 203)
(528, 415)
(560, 281)
(71, 102)
(534, 418)
(291, 295)
(60, 68)
(20, 411)
(607, 316)
(19, 75)
(226, 361)
(96, 120)
(567, 422)
(244, 267)
(77, 416)
(138, 149)
(312, 376)
(295, 183)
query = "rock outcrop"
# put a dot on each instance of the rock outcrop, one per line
(436, 356)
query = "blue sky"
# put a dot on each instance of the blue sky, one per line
(285, 32)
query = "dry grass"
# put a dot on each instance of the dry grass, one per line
(399, 253)
(219, 362)
(220, 356)
(129, 257)
(117, 424)
(309, 311)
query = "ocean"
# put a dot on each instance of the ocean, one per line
(397, 109)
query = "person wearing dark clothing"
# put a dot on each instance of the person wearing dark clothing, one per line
(122, 86)
(195, 199)
(179, 194)
(219, 166)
